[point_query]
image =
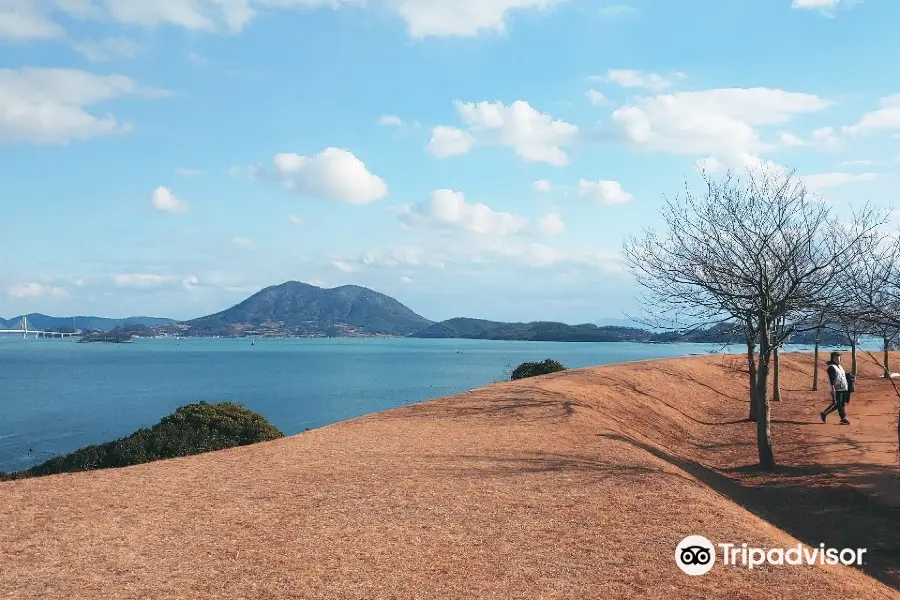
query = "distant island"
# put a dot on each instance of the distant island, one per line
(295, 309)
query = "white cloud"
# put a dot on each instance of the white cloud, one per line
(826, 7)
(551, 224)
(242, 242)
(425, 18)
(448, 208)
(535, 136)
(22, 20)
(629, 78)
(790, 140)
(346, 267)
(886, 117)
(450, 141)
(189, 172)
(108, 49)
(164, 200)
(596, 98)
(35, 290)
(406, 279)
(399, 256)
(603, 192)
(48, 106)
(333, 174)
(823, 181)
(141, 280)
(295, 220)
(540, 256)
(721, 122)
(541, 185)
(390, 121)
(709, 165)
(826, 137)
(27, 19)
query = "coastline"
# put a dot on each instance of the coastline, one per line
(510, 491)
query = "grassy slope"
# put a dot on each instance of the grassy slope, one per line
(575, 485)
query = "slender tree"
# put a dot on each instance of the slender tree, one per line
(759, 248)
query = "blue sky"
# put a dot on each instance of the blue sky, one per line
(469, 157)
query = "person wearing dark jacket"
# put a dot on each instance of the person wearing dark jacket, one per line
(840, 389)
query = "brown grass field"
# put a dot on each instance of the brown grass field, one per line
(575, 485)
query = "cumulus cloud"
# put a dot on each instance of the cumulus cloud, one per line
(541, 185)
(28, 19)
(629, 78)
(535, 136)
(551, 224)
(333, 174)
(790, 140)
(721, 122)
(22, 20)
(450, 141)
(426, 18)
(710, 164)
(826, 7)
(885, 117)
(49, 106)
(822, 181)
(108, 49)
(164, 200)
(35, 290)
(596, 98)
(603, 192)
(450, 209)
(344, 266)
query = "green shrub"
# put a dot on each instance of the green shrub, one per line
(191, 429)
(533, 369)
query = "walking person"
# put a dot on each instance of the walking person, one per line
(840, 389)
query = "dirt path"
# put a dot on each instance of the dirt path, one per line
(577, 485)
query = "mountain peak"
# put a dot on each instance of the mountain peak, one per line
(298, 308)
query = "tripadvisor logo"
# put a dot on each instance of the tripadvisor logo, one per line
(696, 555)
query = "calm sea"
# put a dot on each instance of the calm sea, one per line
(57, 396)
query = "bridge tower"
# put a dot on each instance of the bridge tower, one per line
(25, 328)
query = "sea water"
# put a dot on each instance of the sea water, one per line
(57, 395)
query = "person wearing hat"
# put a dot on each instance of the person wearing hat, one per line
(840, 389)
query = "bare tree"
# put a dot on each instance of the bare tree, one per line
(871, 294)
(758, 249)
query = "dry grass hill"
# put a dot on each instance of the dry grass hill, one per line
(575, 485)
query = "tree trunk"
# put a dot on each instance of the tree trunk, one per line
(815, 386)
(751, 367)
(763, 424)
(776, 383)
(853, 353)
(887, 357)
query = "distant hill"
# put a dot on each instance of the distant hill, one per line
(44, 322)
(300, 309)
(536, 331)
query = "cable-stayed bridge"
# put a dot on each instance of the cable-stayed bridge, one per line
(37, 332)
